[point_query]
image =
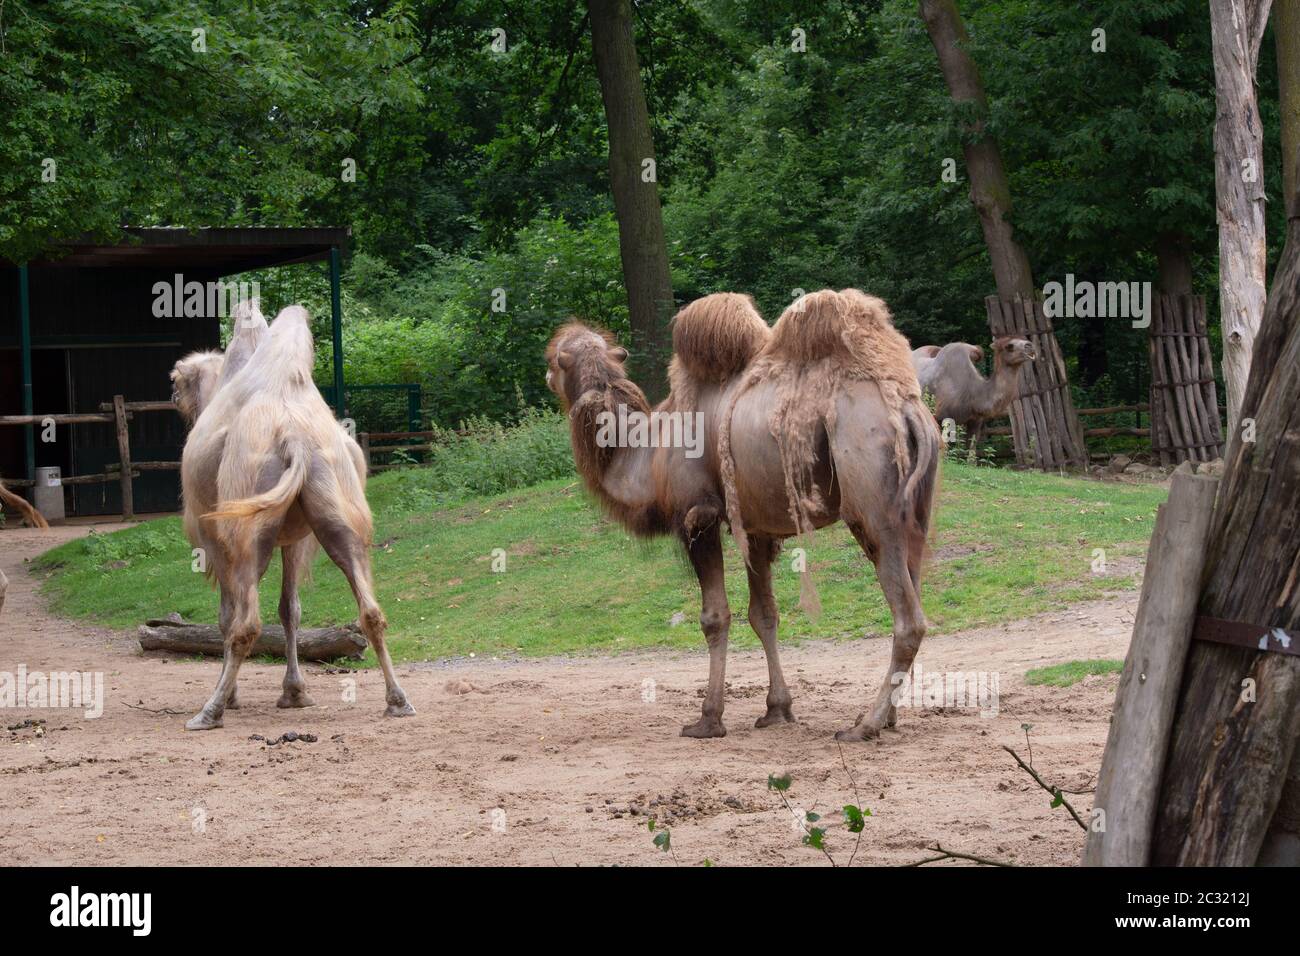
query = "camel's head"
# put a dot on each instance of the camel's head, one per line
(194, 380)
(580, 358)
(1013, 351)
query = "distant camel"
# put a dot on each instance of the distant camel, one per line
(33, 518)
(267, 465)
(815, 420)
(961, 392)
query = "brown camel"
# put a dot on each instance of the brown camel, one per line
(267, 465)
(961, 392)
(33, 518)
(815, 420)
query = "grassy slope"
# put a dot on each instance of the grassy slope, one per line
(1009, 544)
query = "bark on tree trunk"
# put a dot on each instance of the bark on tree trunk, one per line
(1239, 712)
(634, 183)
(1282, 842)
(1174, 263)
(989, 191)
(1286, 24)
(1237, 30)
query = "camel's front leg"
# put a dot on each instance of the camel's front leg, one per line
(705, 549)
(909, 629)
(763, 618)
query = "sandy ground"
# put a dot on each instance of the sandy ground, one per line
(542, 761)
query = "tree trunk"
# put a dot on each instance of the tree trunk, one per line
(1286, 24)
(1239, 711)
(989, 191)
(1237, 30)
(633, 181)
(1282, 842)
(1174, 264)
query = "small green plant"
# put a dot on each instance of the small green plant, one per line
(664, 840)
(854, 816)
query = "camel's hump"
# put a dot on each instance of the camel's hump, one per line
(717, 336)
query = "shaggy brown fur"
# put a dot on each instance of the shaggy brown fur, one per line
(823, 423)
(267, 465)
(714, 340)
(822, 340)
(33, 518)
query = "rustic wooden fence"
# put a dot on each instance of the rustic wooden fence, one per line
(1185, 421)
(117, 413)
(1044, 425)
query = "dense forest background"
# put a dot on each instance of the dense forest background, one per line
(782, 164)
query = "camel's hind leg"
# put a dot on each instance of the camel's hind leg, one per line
(349, 550)
(705, 549)
(763, 618)
(909, 628)
(242, 619)
(292, 557)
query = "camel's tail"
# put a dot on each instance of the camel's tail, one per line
(271, 505)
(922, 481)
(23, 507)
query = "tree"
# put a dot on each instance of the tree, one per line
(633, 180)
(1234, 736)
(989, 190)
(1286, 26)
(1237, 29)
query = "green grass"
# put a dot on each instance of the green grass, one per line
(1070, 673)
(1009, 544)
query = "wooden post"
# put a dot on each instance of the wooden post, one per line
(363, 439)
(1129, 782)
(124, 453)
(1234, 737)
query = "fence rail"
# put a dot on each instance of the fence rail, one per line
(117, 413)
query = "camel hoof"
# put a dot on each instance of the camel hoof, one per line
(858, 734)
(233, 704)
(294, 699)
(704, 727)
(775, 715)
(201, 721)
(404, 709)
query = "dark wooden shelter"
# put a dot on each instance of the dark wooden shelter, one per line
(79, 326)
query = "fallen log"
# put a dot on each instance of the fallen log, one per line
(319, 644)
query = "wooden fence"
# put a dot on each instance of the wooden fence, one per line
(1185, 423)
(117, 413)
(1044, 425)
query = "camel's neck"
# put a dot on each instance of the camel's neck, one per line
(1005, 382)
(622, 477)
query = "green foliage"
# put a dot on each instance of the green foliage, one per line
(486, 459)
(436, 327)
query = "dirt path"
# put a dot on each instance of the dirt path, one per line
(558, 748)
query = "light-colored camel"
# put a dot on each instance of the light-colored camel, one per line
(815, 420)
(33, 518)
(961, 392)
(267, 465)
